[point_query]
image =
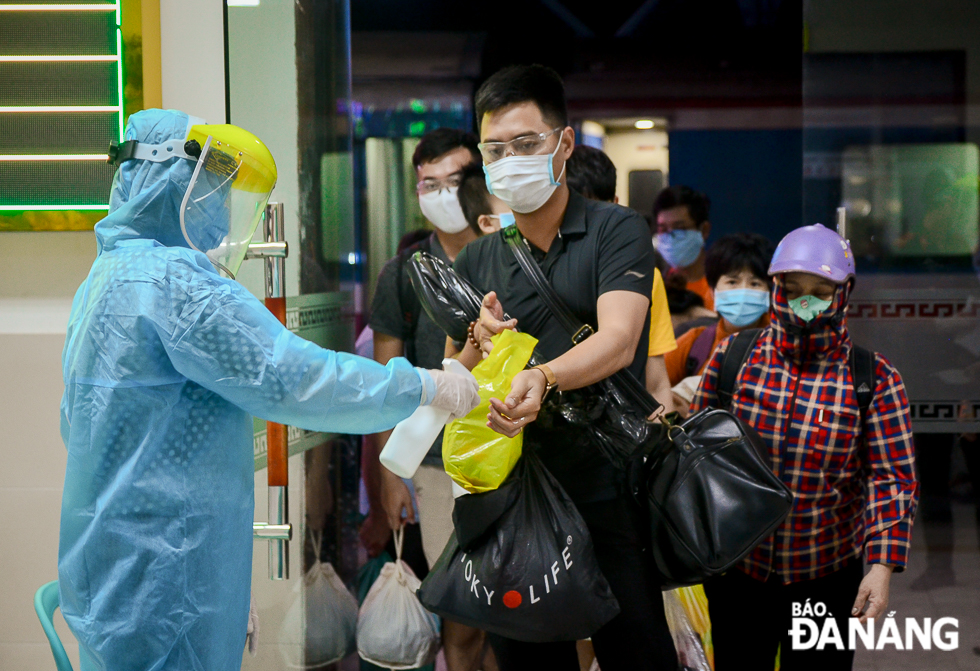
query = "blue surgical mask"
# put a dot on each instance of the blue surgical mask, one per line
(741, 307)
(679, 248)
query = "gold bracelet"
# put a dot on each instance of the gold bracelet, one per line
(551, 382)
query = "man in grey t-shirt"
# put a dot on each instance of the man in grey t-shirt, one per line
(401, 328)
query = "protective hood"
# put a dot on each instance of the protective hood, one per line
(145, 199)
(825, 333)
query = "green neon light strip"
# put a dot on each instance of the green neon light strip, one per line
(119, 75)
(58, 59)
(54, 157)
(47, 208)
(57, 8)
(63, 108)
(117, 58)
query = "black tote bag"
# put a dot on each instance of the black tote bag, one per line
(529, 571)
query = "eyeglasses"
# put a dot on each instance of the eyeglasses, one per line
(526, 145)
(431, 185)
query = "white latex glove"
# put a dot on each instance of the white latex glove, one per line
(252, 632)
(458, 394)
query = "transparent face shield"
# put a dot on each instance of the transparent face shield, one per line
(227, 195)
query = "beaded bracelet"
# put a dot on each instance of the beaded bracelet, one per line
(471, 337)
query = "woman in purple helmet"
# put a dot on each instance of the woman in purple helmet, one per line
(851, 470)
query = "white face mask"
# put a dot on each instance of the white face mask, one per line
(443, 210)
(524, 183)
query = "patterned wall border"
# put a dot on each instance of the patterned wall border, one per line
(314, 317)
(914, 309)
(945, 411)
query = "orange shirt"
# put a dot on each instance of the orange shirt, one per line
(701, 288)
(676, 361)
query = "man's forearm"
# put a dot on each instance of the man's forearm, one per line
(469, 356)
(593, 360)
(372, 468)
(658, 382)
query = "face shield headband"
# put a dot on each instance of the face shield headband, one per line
(225, 199)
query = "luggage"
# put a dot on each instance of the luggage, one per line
(711, 494)
(690, 649)
(707, 484)
(525, 569)
(319, 626)
(393, 630)
(476, 457)
(367, 575)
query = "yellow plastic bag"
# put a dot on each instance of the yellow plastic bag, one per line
(478, 458)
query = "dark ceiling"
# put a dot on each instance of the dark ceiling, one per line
(729, 51)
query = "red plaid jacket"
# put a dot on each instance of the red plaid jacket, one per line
(854, 486)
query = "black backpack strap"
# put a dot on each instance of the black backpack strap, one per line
(862, 363)
(408, 301)
(700, 350)
(731, 363)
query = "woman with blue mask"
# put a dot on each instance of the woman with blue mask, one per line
(735, 269)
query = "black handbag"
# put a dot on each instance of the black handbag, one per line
(707, 484)
(711, 493)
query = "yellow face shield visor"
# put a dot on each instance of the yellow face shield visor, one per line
(229, 189)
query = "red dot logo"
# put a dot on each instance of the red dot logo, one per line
(512, 599)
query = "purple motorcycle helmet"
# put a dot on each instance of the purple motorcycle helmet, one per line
(815, 250)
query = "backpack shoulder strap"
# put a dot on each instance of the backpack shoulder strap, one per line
(731, 363)
(701, 349)
(408, 301)
(862, 363)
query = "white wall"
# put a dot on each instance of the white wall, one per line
(635, 150)
(262, 72)
(192, 57)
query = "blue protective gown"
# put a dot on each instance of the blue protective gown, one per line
(164, 364)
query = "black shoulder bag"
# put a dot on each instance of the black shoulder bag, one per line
(706, 484)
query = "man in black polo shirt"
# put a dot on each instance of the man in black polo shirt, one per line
(599, 259)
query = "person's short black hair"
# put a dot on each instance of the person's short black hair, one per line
(698, 204)
(441, 141)
(474, 197)
(520, 84)
(590, 172)
(737, 252)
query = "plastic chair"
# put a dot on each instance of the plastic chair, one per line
(45, 603)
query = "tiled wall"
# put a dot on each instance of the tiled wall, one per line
(31, 480)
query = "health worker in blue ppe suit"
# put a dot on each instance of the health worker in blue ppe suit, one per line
(165, 362)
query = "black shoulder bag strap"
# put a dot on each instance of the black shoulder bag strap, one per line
(578, 330)
(862, 363)
(408, 301)
(731, 363)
